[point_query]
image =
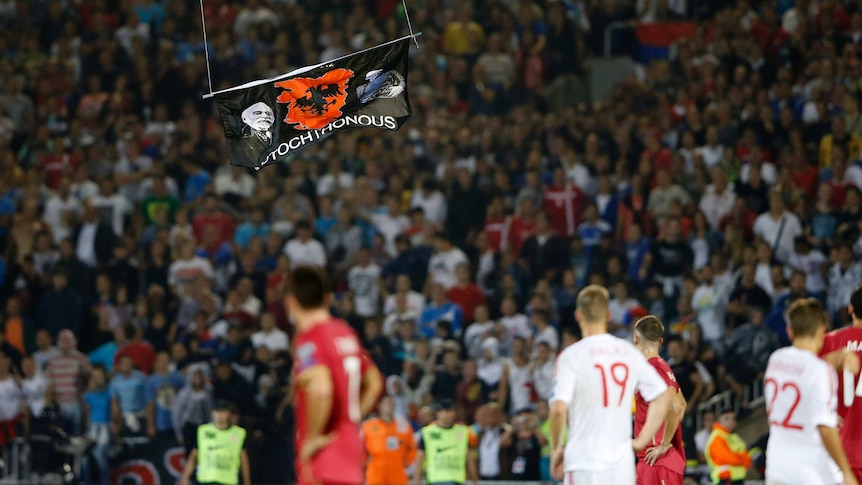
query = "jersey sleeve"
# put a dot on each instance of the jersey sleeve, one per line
(308, 355)
(826, 395)
(565, 376)
(650, 384)
(665, 373)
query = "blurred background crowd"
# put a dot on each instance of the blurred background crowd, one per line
(142, 277)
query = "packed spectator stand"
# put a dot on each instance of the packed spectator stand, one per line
(144, 277)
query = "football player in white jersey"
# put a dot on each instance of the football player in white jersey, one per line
(802, 402)
(594, 384)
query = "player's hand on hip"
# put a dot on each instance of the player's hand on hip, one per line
(312, 446)
(557, 464)
(654, 453)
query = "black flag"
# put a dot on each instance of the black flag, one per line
(265, 121)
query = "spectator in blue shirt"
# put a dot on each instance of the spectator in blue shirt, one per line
(129, 399)
(440, 309)
(256, 226)
(162, 387)
(593, 228)
(196, 182)
(97, 400)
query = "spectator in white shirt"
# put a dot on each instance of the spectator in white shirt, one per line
(270, 336)
(303, 249)
(514, 324)
(619, 309)
(813, 263)
(248, 302)
(713, 151)
(61, 211)
(778, 227)
(234, 184)
(187, 268)
(709, 300)
(334, 180)
(363, 279)
(544, 332)
(844, 277)
(432, 202)
(719, 198)
(414, 300)
(113, 207)
(444, 261)
(391, 223)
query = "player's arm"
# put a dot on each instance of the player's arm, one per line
(316, 383)
(843, 359)
(245, 469)
(419, 471)
(654, 390)
(656, 413)
(372, 386)
(503, 386)
(191, 463)
(559, 417)
(672, 420)
(832, 443)
(674, 415)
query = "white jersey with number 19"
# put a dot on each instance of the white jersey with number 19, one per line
(801, 394)
(597, 379)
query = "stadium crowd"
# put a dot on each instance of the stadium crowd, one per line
(142, 277)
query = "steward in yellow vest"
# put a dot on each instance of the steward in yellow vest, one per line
(219, 454)
(726, 453)
(447, 450)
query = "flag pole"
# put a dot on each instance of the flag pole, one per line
(306, 68)
(206, 48)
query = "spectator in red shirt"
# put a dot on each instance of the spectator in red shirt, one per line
(519, 227)
(213, 216)
(139, 350)
(659, 157)
(495, 223)
(465, 293)
(57, 164)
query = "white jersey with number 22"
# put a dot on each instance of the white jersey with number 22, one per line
(801, 394)
(597, 379)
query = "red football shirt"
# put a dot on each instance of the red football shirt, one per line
(335, 345)
(142, 353)
(674, 459)
(468, 298)
(851, 430)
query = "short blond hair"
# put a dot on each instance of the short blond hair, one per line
(594, 303)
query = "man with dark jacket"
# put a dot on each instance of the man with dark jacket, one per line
(93, 239)
(60, 307)
(546, 253)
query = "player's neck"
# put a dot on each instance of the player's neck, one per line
(856, 323)
(809, 344)
(649, 352)
(307, 320)
(591, 329)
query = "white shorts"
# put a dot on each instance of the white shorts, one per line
(623, 475)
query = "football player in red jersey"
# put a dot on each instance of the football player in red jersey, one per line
(335, 385)
(664, 462)
(843, 349)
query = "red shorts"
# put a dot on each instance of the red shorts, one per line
(657, 475)
(857, 472)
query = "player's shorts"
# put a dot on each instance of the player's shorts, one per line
(657, 475)
(620, 476)
(857, 472)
